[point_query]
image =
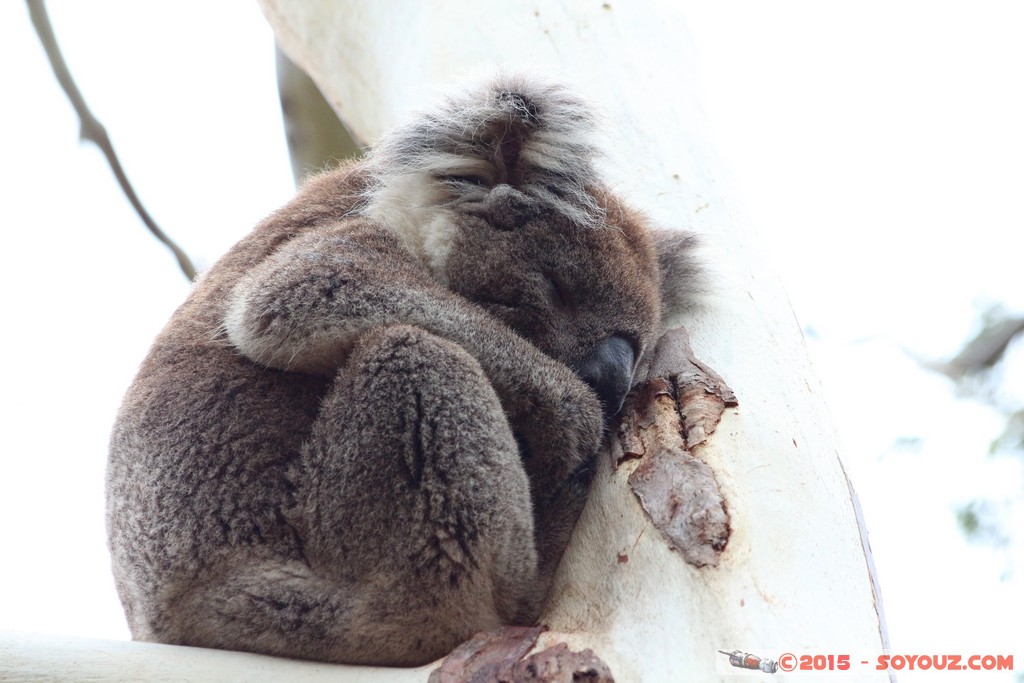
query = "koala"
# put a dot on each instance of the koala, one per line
(368, 432)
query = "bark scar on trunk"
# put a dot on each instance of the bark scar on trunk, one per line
(499, 656)
(666, 417)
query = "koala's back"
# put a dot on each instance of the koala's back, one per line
(205, 448)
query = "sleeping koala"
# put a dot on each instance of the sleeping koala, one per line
(369, 431)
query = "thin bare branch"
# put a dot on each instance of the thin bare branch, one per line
(93, 130)
(984, 351)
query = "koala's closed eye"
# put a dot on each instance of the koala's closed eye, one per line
(560, 294)
(465, 179)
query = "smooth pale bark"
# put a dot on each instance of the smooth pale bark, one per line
(37, 657)
(796, 574)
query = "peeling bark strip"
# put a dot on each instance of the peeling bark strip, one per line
(497, 656)
(484, 656)
(665, 418)
(700, 392)
(680, 495)
(558, 664)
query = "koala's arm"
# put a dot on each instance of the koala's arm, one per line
(303, 308)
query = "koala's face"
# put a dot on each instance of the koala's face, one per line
(496, 194)
(587, 296)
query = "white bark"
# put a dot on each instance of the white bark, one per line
(32, 657)
(796, 575)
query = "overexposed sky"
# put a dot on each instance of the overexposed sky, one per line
(197, 124)
(877, 146)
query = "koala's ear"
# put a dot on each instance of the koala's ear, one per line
(681, 274)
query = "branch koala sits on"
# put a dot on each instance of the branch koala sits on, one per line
(369, 431)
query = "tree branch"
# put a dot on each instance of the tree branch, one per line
(93, 130)
(985, 350)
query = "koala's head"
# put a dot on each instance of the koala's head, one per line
(590, 296)
(496, 191)
(425, 176)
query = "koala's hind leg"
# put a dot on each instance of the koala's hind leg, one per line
(416, 520)
(417, 498)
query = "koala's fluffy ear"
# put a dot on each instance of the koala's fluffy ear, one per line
(681, 274)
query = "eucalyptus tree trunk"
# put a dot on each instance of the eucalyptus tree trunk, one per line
(696, 538)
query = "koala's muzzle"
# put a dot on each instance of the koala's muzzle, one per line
(608, 369)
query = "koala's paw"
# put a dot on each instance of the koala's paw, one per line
(563, 435)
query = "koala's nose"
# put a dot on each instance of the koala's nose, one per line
(608, 369)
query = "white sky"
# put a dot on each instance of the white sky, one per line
(878, 147)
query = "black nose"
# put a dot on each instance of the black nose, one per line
(608, 369)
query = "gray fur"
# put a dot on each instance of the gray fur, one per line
(534, 135)
(361, 439)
